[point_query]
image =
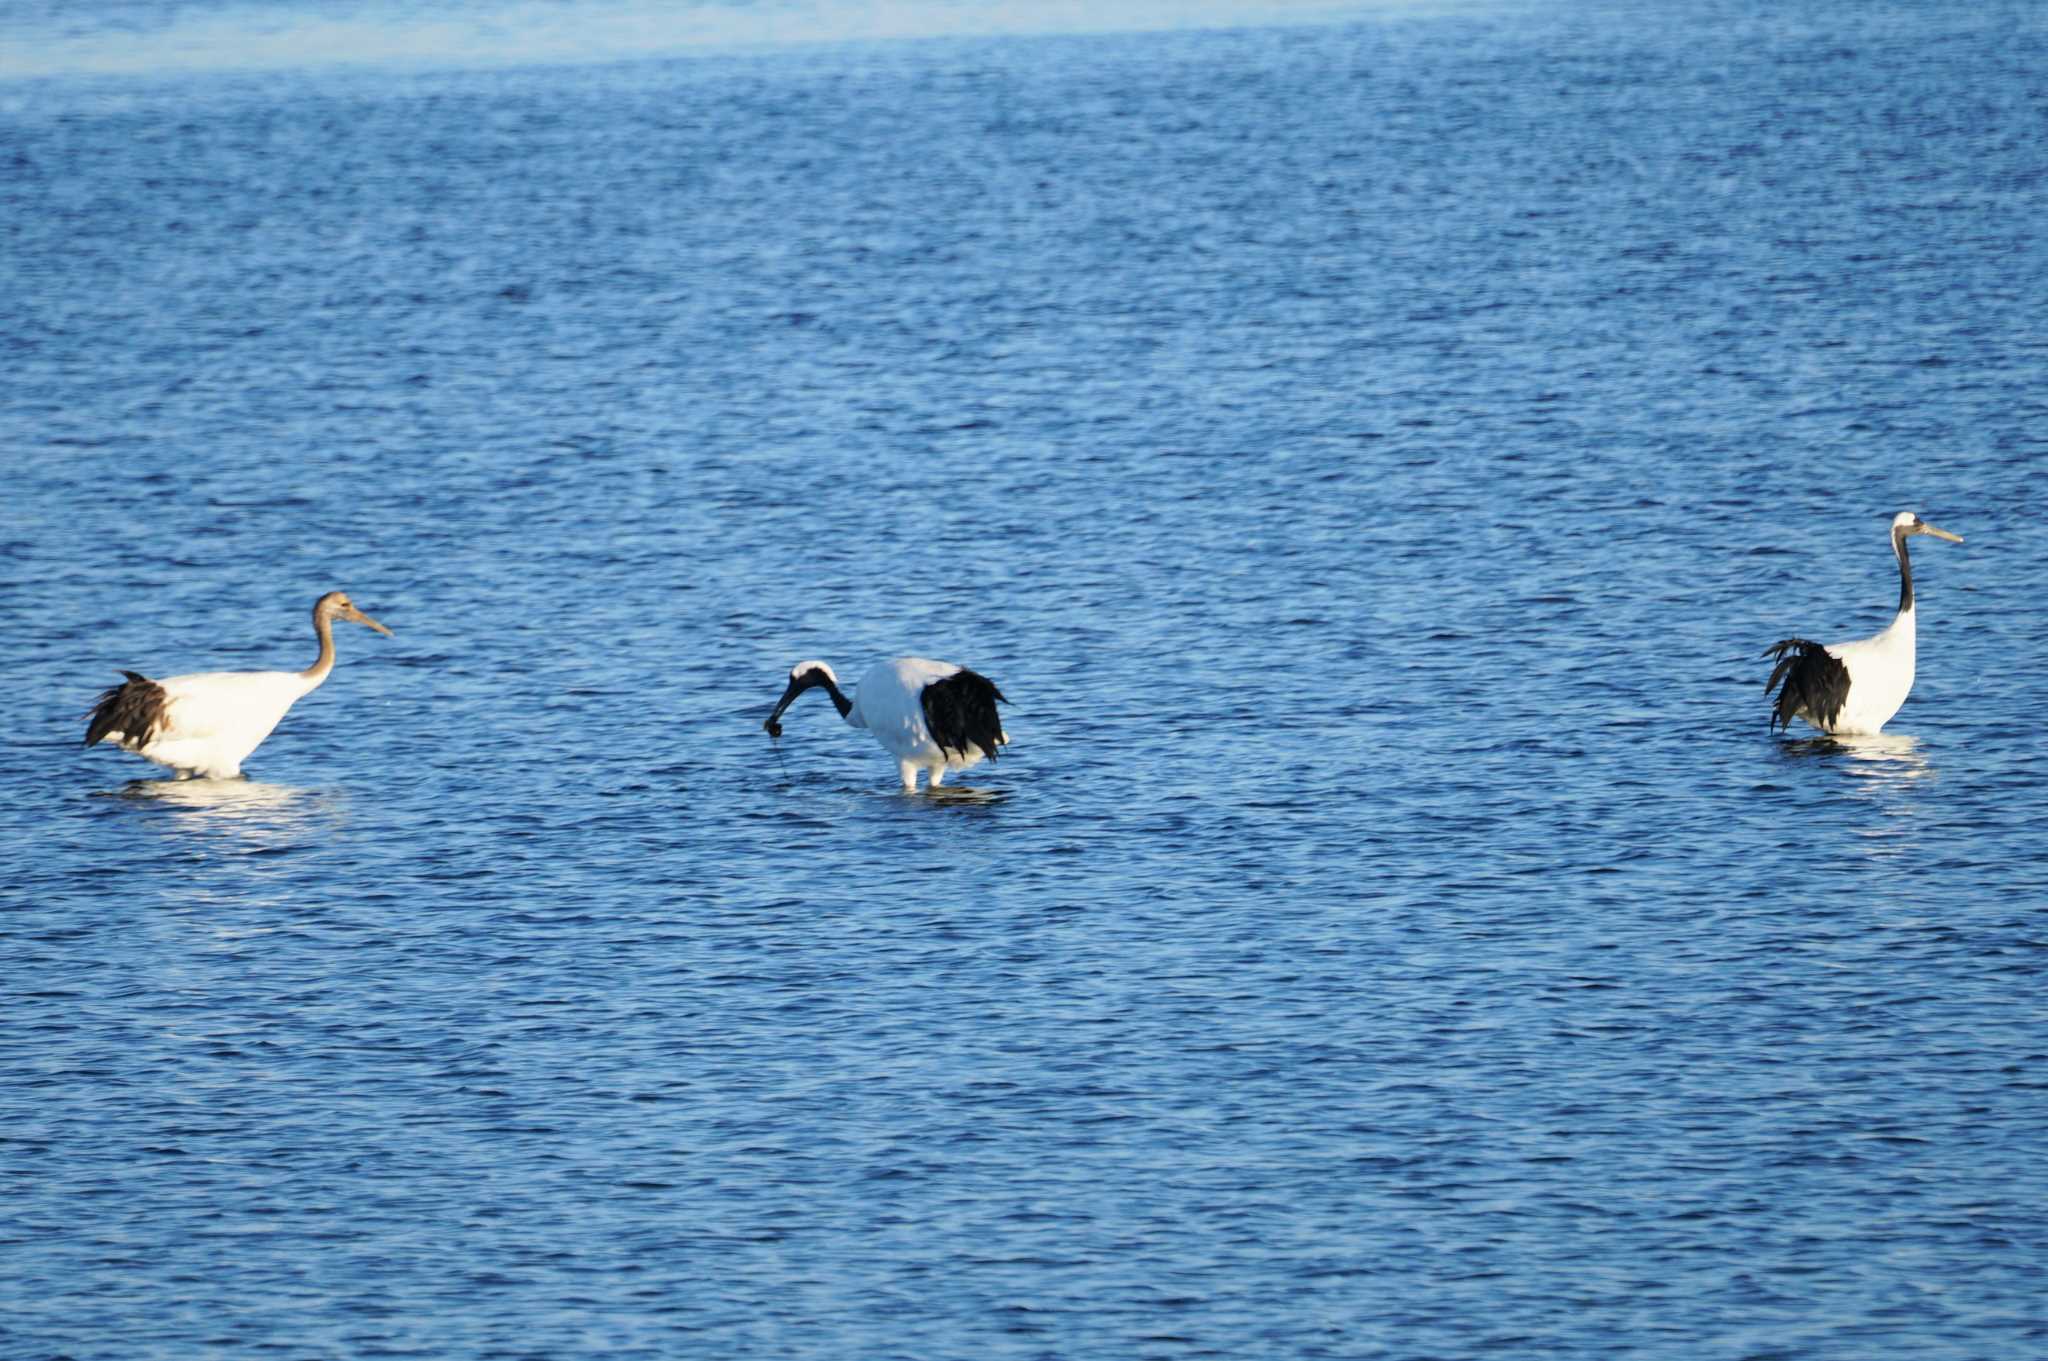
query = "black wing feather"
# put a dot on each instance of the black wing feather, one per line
(1809, 680)
(134, 708)
(960, 711)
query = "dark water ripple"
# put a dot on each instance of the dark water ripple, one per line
(1371, 457)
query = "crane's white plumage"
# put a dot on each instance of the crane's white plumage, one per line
(206, 724)
(1854, 687)
(932, 716)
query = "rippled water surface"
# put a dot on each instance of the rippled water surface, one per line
(1371, 455)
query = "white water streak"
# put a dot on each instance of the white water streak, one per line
(260, 38)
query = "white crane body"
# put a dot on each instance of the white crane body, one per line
(214, 719)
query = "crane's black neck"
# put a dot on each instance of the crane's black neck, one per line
(809, 679)
(1905, 568)
(839, 700)
(817, 676)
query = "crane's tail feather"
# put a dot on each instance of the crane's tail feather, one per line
(1810, 682)
(131, 711)
(960, 711)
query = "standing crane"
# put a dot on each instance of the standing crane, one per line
(207, 724)
(932, 716)
(1853, 688)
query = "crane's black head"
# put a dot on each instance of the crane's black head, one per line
(804, 676)
(1906, 522)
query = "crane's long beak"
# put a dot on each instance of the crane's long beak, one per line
(361, 618)
(773, 728)
(1926, 528)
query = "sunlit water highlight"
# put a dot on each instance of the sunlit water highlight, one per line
(52, 40)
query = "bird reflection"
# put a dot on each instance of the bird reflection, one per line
(249, 811)
(1885, 769)
(1889, 757)
(966, 795)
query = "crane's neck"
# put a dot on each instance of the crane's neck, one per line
(839, 699)
(1905, 571)
(323, 628)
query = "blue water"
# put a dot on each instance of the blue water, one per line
(1370, 451)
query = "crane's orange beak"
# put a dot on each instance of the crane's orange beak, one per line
(1926, 528)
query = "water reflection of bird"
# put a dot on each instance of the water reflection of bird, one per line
(206, 724)
(1853, 687)
(1879, 756)
(226, 798)
(932, 716)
